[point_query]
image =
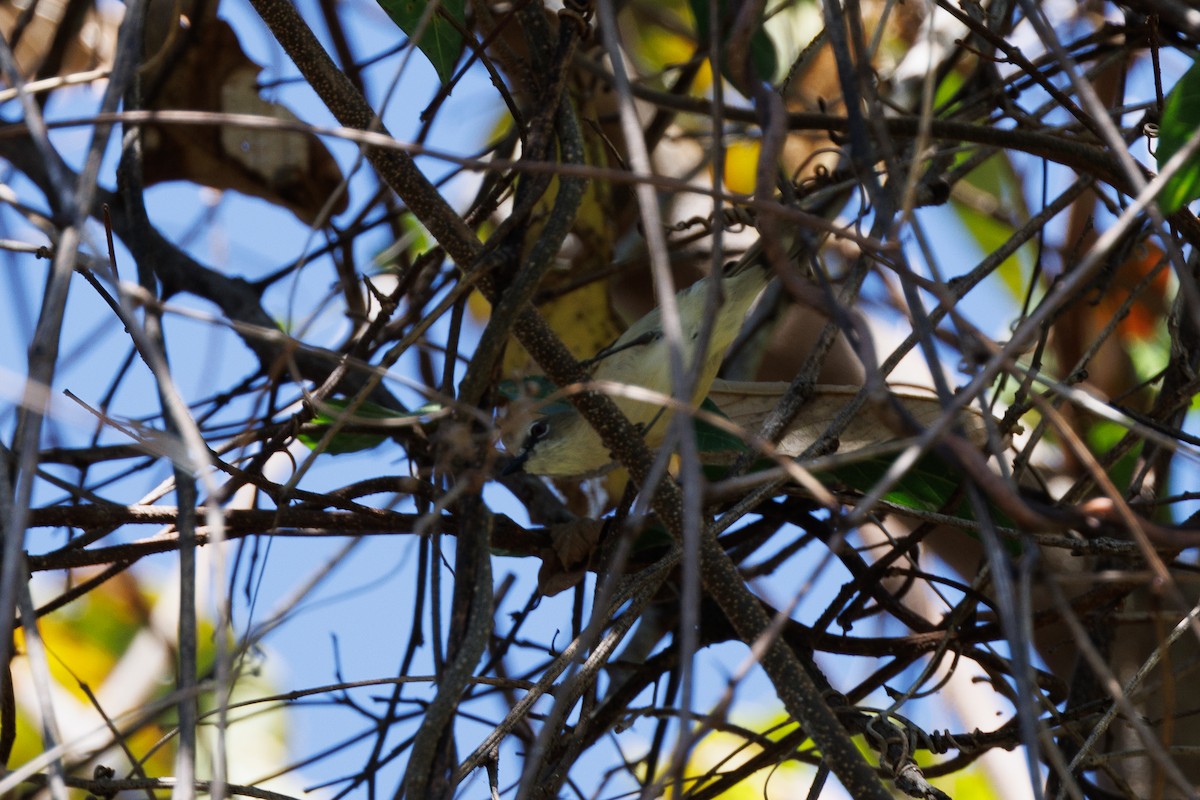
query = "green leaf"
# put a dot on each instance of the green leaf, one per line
(946, 91)
(711, 439)
(996, 209)
(930, 485)
(414, 243)
(1102, 436)
(990, 233)
(763, 58)
(440, 39)
(1180, 121)
(354, 441)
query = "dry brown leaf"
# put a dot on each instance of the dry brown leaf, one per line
(89, 47)
(564, 563)
(212, 73)
(573, 542)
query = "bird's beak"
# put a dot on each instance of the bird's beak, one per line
(515, 464)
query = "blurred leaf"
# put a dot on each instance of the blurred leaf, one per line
(663, 49)
(947, 88)
(972, 782)
(741, 166)
(414, 243)
(480, 308)
(762, 50)
(27, 741)
(991, 205)
(571, 545)
(354, 441)
(1102, 436)
(711, 439)
(440, 39)
(930, 485)
(999, 178)
(89, 636)
(989, 234)
(725, 750)
(1145, 320)
(106, 641)
(54, 35)
(288, 168)
(1180, 121)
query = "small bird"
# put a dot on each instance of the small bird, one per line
(563, 444)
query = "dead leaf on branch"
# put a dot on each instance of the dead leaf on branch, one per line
(212, 73)
(88, 47)
(564, 563)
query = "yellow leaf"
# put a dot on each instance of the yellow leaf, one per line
(741, 164)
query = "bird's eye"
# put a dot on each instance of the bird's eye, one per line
(537, 432)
